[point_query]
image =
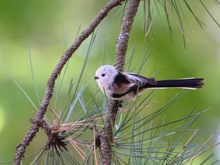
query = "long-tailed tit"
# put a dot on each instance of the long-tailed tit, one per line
(126, 86)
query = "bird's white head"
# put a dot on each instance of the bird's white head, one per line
(105, 76)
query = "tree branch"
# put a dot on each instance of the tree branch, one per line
(122, 42)
(106, 134)
(21, 147)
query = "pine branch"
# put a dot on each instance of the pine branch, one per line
(122, 42)
(106, 137)
(21, 147)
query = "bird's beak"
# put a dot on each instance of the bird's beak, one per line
(96, 77)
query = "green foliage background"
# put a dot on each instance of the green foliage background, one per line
(49, 27)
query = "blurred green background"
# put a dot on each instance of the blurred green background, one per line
(47, 28)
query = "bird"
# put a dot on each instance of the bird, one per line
(124, 86)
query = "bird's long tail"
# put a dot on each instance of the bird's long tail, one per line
(192, 83)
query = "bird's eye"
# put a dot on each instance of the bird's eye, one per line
(103, 75)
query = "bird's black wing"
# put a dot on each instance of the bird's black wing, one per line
(140, 80)
(129, 83)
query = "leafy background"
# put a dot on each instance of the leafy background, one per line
(45, 29)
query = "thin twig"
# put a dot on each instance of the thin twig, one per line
(21, 147)
(95, 132)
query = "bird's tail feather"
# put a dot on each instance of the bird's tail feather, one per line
(192, 83)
